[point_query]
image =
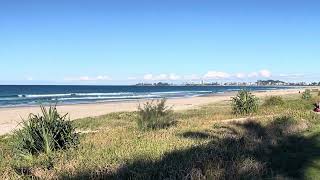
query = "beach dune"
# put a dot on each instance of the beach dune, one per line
(11, 117)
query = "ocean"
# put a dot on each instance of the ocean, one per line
(34, 95)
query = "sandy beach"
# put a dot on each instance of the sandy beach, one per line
(11, 117)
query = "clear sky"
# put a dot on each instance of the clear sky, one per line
(129, 41)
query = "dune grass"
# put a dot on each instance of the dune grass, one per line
(273, 101)
(206, 143)
(154, 115)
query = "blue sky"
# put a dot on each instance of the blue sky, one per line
(124, 42)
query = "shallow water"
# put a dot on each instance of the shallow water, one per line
(28, 95)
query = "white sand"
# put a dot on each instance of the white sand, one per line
(11, 117)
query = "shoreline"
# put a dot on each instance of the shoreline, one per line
(12, 116)
(15, 98)
(120, 101)
(132, 100)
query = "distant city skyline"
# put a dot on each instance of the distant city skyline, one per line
(127, 42)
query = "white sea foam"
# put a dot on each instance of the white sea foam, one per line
(111, 97)
(180, 92)
(234, 89)
(72, 94)
(43, 95)
(118, 95)
(9, 98)
(103, 94)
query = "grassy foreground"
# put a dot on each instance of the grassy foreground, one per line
(279, 141)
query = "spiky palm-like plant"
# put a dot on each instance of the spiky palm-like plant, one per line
(244, 103)
(45, 133)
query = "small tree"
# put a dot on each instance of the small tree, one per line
(306, 94)
(244, 103)
(154, 115)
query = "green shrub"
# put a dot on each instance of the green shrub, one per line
(306, 94)
(244, 103)
(274, 101)
(45, 133)
(154, 115)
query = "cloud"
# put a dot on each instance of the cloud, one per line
(297, 75)
(102, 78)
(265, 73)
(132, 78)
(87, 78)
(216, 75)
(240, 75)
(29, 78)
(191, 77)
(262, 73)
(169, 77)
(253, 75)
(210, 75)
(148, 77)
(173, 76)
(83, 78)
(161, 77)
(224, 75)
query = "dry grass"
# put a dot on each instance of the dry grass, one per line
(200, 146)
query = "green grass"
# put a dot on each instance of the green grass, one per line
(279, 141)
(306, 94)
(109, 120)
(274, 101)
(154, 115)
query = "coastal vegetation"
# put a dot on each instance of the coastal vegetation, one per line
(244, 103)
(43, 134)
(306, 94)
(154, 115)
(278, 141)
(274, 101)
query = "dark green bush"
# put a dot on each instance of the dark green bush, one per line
(45, 133)
(244, 103)
(306, 94)
(154, 115)
(274, 101)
